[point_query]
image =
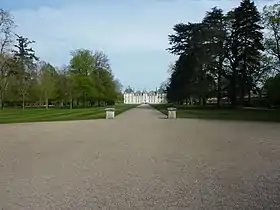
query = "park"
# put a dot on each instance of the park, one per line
(219, 150)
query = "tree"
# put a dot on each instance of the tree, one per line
(101, 61)
(271, 20)
(47, 82)
(183, 83)
(81, 69)
(118, 90)
(25, 57)
(93, 77)
(87, 78)
(215, 43)
(189, 77)
(219, 56)
(118, 86)
(246, 48)
(6, 26)
(6, 70)
(6, 30)
(163, 86)
(272, 87)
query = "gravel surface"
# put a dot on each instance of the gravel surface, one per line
(140, 161)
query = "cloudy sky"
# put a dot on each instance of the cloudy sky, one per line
(133, 33)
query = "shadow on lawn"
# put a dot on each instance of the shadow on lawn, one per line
(225, 113)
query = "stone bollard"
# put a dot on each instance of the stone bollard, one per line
(110, 113)
(171, 113)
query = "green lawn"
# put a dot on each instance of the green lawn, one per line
(223, 113)
(56, 114)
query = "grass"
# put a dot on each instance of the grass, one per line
(12, 115)
(222, 113)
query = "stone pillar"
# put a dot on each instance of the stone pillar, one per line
(171, 113)
(110, 113)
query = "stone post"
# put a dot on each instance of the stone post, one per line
(171, 113)
(110, 113)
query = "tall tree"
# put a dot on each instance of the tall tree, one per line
(7, 25)
(104, 78)
(48, 82)
(6, 37)
(215, 43)
(246, 47)
(7, 67)
(190, 77)
(25, 57)
(181, 80)
(81, 68)
(271, 19)
(221, 56)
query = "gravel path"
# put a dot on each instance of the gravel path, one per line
(140, 161)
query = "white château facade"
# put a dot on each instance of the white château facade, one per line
(142, 97)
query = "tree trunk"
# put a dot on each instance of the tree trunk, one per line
(219, 83)
(85, 101)
(1, 101)
(40, 101)
(232, 88)
(47, 103)
(242, 94)
(71, 102)
(249, 97)
(203, 101)
(23, 101)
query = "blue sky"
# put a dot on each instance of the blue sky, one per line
(134, 34)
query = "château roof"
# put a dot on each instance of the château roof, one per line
(152, 93)
(128, 90)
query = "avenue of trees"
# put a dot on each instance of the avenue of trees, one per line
(233, 57)
(25, 80)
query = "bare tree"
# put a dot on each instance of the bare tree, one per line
(101, 61)
(6, 38)
(7, 25)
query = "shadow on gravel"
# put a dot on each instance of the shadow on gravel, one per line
(163, 117)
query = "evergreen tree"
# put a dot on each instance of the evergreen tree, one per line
(216, 35)
(246, 48)
(24, 57)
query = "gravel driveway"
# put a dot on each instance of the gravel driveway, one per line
(140, 161)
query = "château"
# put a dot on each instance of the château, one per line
(144, 97)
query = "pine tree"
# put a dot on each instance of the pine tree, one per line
(216, 36)
(246, 47)
(188, 76)
(25, 57)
